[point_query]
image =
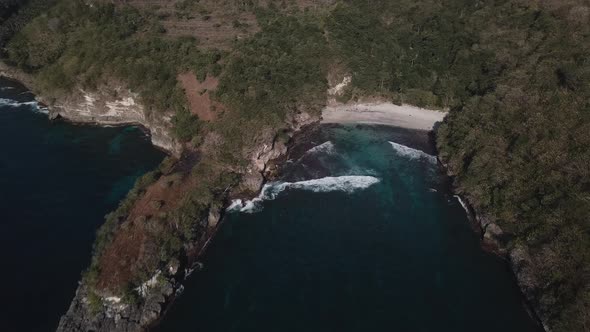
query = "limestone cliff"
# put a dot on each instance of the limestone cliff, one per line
(115, 105)
(106, 105)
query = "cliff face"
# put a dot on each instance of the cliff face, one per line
(107, 105)
(269, 149)
(115, 105)
(157, 293)
(517, 255)
(113, 314)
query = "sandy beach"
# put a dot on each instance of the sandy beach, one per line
(404, 116)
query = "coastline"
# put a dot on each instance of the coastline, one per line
(384, 113)
(416, 118)
(112, 105)
(358, 113)
(492, 240)
(83, 108)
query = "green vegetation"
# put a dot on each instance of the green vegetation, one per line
(94, 302)
(411, 52)
(186, 126)
(280, 69)
(113, 221)
(516, 78)
(513, 73)
(73, 45)
(15, 14)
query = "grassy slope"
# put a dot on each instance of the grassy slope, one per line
(514, 74)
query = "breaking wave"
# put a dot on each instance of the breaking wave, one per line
(410, 153)
(270, 191)
(34, 105)
(324, 148)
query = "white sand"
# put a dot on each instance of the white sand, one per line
(404, 116)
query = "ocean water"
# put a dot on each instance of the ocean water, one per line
(57, 181)
(361, 233)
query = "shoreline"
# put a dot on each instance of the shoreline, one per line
(53, 115)
(416, 118)
(100, 109)
(490, 241)
(388, 114)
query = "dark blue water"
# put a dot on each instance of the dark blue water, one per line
(57, 181)
(341, 254)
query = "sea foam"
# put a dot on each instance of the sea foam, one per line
(34, 105)
(410, 153)
(465, 206)
(324, 148)
(270, 191)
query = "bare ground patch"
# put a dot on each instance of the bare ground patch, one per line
(133, 246)
(198, 95)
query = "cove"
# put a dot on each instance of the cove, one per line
(360, 233)
(57, 181)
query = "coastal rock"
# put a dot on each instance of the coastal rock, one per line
(519, 259)
(524, 267)
(270, 147)
(53, 115)
(213, 218)
(301, 119)
(114, 105)
(493, 232)
(112, 314)
(111, 104)
(251, 182)
(16, 74)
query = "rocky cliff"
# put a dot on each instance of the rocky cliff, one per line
(115, 105)
(115, 315)
(112, 314)
(517, 255)
(107, 105)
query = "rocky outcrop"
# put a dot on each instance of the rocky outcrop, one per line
(113, 314)
(17, 75)
(111, 104)
(114, 105)
(518, 257)
(88, 312)
(520, 262)
(271, 146)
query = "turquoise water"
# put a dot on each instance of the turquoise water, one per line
(57, 181)
(358, 235)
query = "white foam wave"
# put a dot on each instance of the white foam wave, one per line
(463, 204)
(324, 148)
(270, 191)
(34, 105)
(235, 205)
(348, 184)
(410, 153)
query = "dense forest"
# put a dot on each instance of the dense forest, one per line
(514, 75)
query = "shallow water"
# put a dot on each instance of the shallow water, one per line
(332, 254)
(57, 181)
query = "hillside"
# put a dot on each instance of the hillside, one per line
(242, 75)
